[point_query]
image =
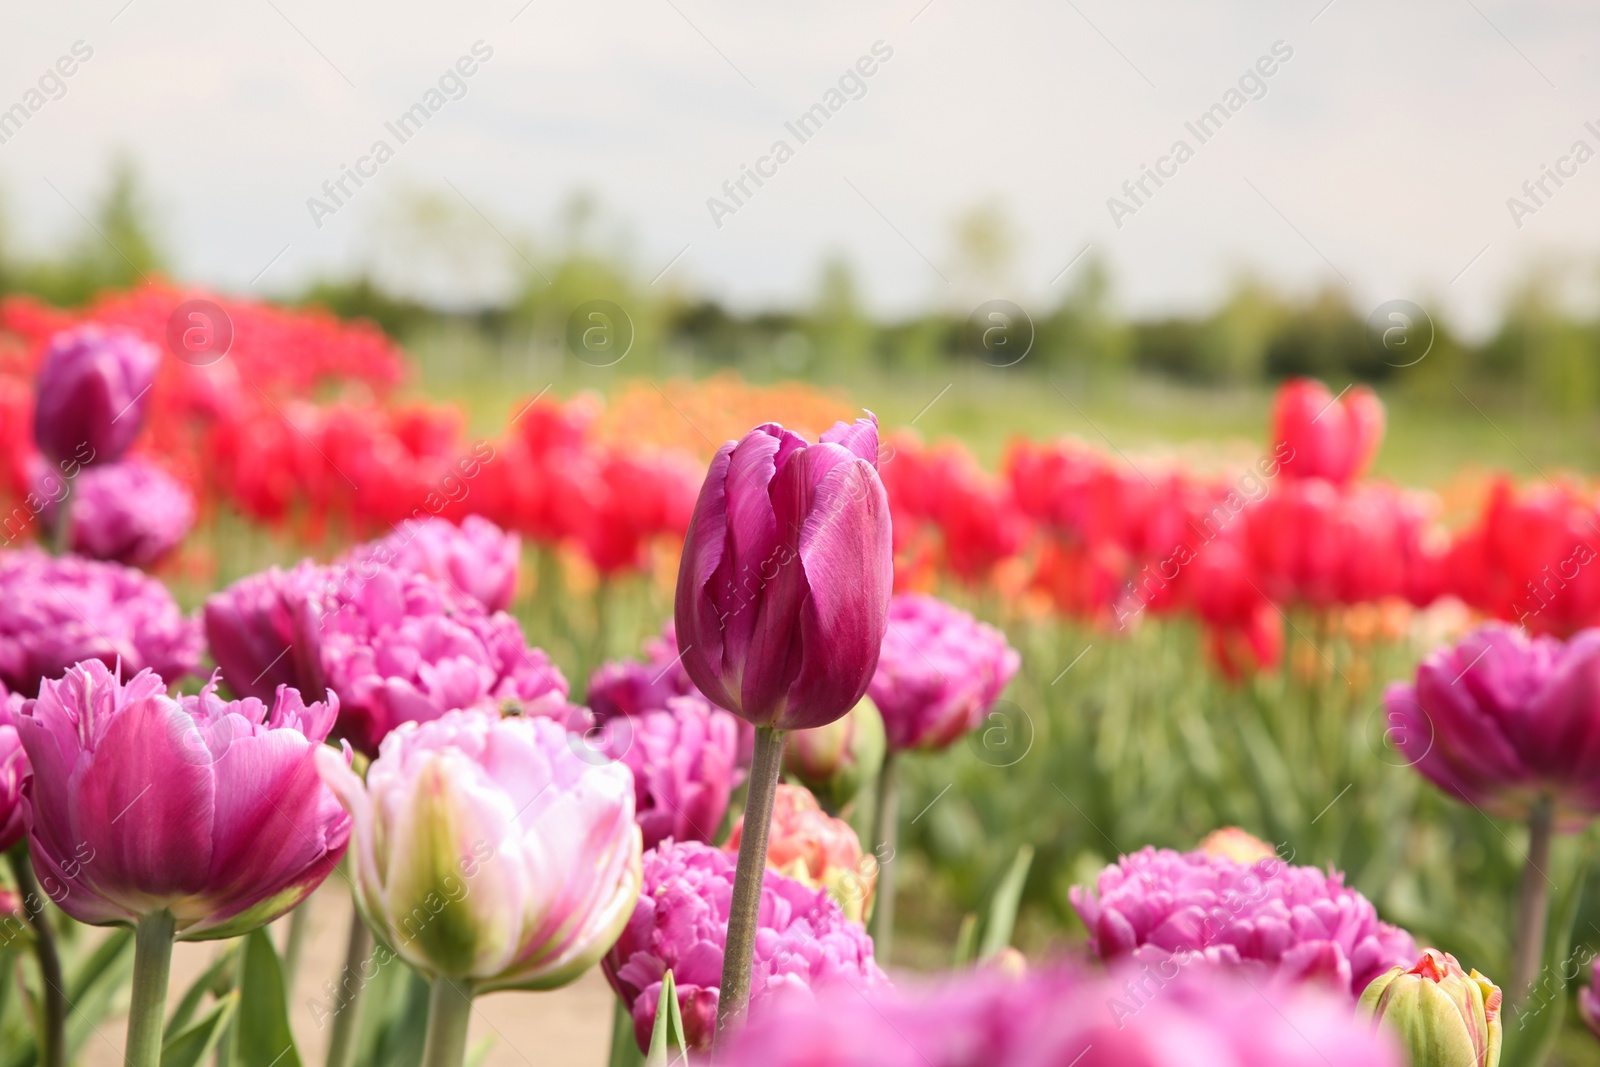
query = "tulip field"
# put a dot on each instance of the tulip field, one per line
(731, 722)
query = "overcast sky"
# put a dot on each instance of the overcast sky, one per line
(1379, 155)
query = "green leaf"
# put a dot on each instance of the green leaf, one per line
(95, 988)
(225, 964)
(1002, 918)
(190, 1047)
(966, 940)
(261, 1033)
(624, 1044)
(479, 1052)
(668, 1031)
(394, 1018)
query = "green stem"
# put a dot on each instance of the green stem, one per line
(744, 909)
(1533, 909)
(152, 967)
(342, 1043)
(294, 944)
(61, 532)
(449, 1012)
(53, 1038)
(885, 833)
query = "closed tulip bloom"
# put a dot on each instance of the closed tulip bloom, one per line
(680, 924)
(129, 512)
(1444, 1016)
(1327, 437)
(265, 630)
(683, 757)
(13, 770)
(1061, 1018)
(814, 848)
(488, 853)
(1289, 923)
(940, 673)
(209, 809)
(840, 759)
(1502, 720)
(783, 591)
(477, 557)
(59, 611)
(93, 388)
(404, 648)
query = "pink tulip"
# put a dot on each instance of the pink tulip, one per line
(940, 672)
(1503, 719)
(55, 612)
(208, 809)
(628, 687)
(404, 648)
(129, 512)
(1324, 436)
(265, 629)
(13, 770)
(683, 758)
(818, 850)
(680, 924)
(1288, 923)
(488, 853)
(1059, 1018)
(477, 557)
(94, 386)
(783, 590)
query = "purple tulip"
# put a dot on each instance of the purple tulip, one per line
(940, 672)
(1290, 923)
(683, 758)
(680, 923)
(1503, 719)
(628, 687)
(1058, 1018)
(265, 630)
(94, 385)
(477, 557)
(784, 586)
(58, 611)
(13, 770)
(405, 648)
(209, 809)
(129, 512)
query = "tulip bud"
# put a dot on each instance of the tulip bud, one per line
(488, 852)
(783, 592)
(840, 759)
(93, 388)
(1444, 1016)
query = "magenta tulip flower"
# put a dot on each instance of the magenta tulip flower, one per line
(1589, 1000)
(683, 758)
(628, 687)
(93, 388)
(404, 648)
(1058, 1018)
(680, 924)
(784, 588)
(129, 512)
(1503, 719)
(59, 611)
(265, 630)
(490, 855)
(208, 809)
(1287, 923)
(477, 557)
(1511, 725)
(13, 770)
(940, 672)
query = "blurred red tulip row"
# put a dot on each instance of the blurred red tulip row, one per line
(298, 427)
